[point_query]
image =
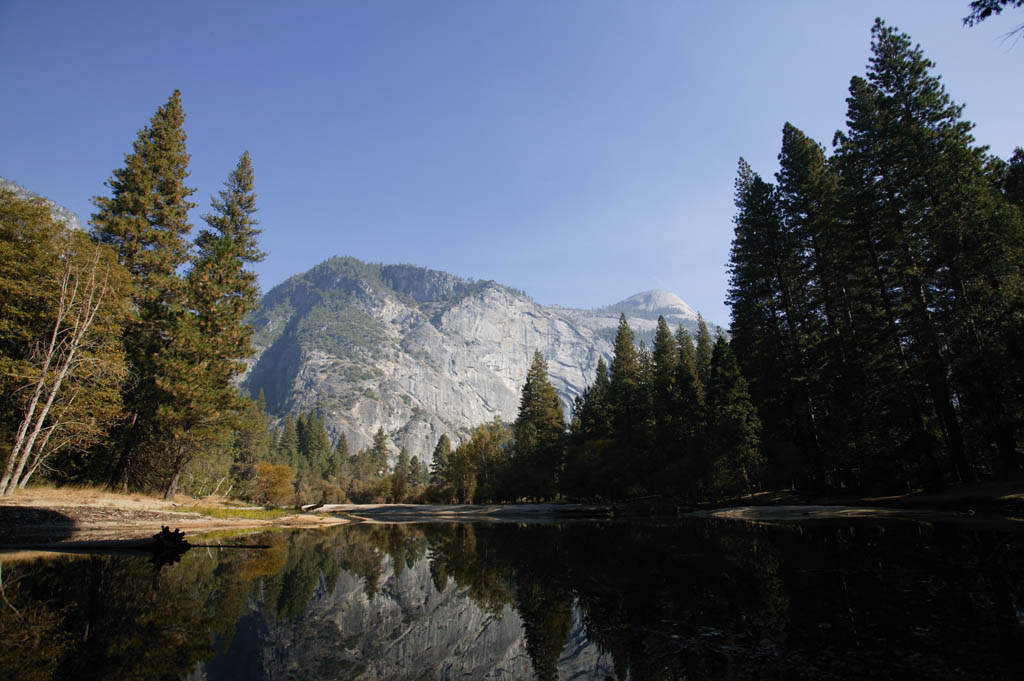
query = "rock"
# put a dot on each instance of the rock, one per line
(59, 212)
(421, 353)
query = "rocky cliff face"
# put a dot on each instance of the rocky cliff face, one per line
(60, 213)
(422, 353)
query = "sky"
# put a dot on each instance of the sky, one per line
(580, 150)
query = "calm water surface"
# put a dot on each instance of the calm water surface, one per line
(689, 600)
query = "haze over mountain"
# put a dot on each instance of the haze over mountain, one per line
(421, 352)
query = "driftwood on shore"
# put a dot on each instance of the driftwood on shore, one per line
(162, 548)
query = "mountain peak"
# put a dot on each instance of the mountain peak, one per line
(650, 304)
(59, 212)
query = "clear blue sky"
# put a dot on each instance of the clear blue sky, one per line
(580, 150)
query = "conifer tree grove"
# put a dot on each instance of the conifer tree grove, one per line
(877, 296)
(210, 337)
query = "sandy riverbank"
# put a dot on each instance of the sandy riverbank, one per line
(503, 513)
(46, 515)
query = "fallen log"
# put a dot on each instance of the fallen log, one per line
(163, 548)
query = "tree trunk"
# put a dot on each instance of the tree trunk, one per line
(37, 392)
(179, 464)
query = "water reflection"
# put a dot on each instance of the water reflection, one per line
(701, 600)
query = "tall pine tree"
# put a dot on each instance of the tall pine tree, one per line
(538, 434)
(145, 220)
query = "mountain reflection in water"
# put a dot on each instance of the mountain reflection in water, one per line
(693, 600)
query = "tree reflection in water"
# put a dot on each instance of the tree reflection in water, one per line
(695, 600)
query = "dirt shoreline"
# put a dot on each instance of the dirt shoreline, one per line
(28, 520)
(53, 515)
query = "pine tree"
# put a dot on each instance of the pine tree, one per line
(211, 338)
(665, 357)
(400, 477)
(288, 445)
(624, 386)
(339, 458)
(705, 345)
(416, 475)
(379, 453)
(1013, 182)
(588, 461)
(252, 444)
(593, 412)
(538, 432)
(930, 222)
(827, 415)
(689, 419)
(145, 220)
(733, 426)
(439, 462)
(771, 320)
(317, 445)
(645, 405)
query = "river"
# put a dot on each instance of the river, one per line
(696, 599)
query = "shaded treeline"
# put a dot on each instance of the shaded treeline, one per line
(300, 464)
(676, 420)
(877, 293)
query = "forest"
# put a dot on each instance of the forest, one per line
(877, 335)
(876, 341)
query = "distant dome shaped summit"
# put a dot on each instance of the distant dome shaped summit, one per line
(657, 301)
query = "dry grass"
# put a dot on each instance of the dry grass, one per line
(235, 512)
(68, 495)
(46, 494)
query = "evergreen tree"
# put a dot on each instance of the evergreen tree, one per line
(624, 386)
(689, 420)
(733, 426)
(339, 458)
(211, 339)
(439, 462)
(317, 445)
(705, 344)
(379, 453)
(288, 445)
(645, 407)
(252, 444)
(400, 477)
(665, 355)
(826, 415)
(665, 358)
(416, 475)
(538, 433)
(931, 221)
(589, 461)
(1013, 182)
(593, 411)
(145, 220)
(770, 318)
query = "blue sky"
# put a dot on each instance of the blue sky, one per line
(580, 150)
